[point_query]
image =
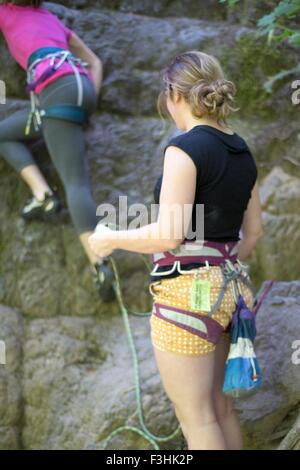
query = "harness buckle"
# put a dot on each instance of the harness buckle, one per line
(194, 270)
(164, 273)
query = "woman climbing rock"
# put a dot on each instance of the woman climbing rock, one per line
(211, 165)
(64, 78)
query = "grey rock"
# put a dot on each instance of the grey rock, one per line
(280, 194)
(210, 9)
(278, 339)
(11, 333)
(79, 384)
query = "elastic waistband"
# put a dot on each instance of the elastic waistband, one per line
(198, 251)
(42, 52)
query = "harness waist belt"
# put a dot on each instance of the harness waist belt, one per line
(41, 53)
(197, 252)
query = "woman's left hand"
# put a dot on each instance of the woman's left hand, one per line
(101, 242)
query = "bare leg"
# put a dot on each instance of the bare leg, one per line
(13, 148)
(33, 177)
(188, 382)
(226, 415)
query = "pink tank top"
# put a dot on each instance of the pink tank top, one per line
(27, 29)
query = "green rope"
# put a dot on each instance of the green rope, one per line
(144, 431)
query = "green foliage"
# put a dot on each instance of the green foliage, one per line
(231, 3)
(269, 84)
(280, 27)
(277, 24)
(248, 66)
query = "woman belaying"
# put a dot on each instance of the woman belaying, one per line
(210, 165)
(64, 78)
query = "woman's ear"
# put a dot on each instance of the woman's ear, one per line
(177, 97)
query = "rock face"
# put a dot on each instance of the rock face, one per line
(279, 250)
(268, 414)
(79, 384)
(68, 380)
(11, 334)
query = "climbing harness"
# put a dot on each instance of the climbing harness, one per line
(202, 323)
(242, 373)
(220, 254)
(231, 273)
(56, 57)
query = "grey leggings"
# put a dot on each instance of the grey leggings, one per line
(65, 144)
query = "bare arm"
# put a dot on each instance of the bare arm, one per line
(178, 188)
(251, 228)
(79, 49)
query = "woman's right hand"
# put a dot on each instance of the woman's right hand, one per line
(80, 50)
(96, 73)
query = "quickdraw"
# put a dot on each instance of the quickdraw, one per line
(232, 274)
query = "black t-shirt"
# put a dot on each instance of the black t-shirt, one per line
(226, 174)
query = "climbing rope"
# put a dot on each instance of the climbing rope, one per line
(144, 431)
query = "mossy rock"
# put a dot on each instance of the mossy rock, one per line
(249, 65)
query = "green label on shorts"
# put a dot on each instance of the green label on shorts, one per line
(200, 295)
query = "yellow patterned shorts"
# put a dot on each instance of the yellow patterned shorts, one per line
(199, 333)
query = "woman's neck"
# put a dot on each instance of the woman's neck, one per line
(192, 122)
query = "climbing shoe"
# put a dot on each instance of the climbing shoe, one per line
(35, 209)
(104, 278)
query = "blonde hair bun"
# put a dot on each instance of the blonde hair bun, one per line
(199, 78)
(214, 98)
